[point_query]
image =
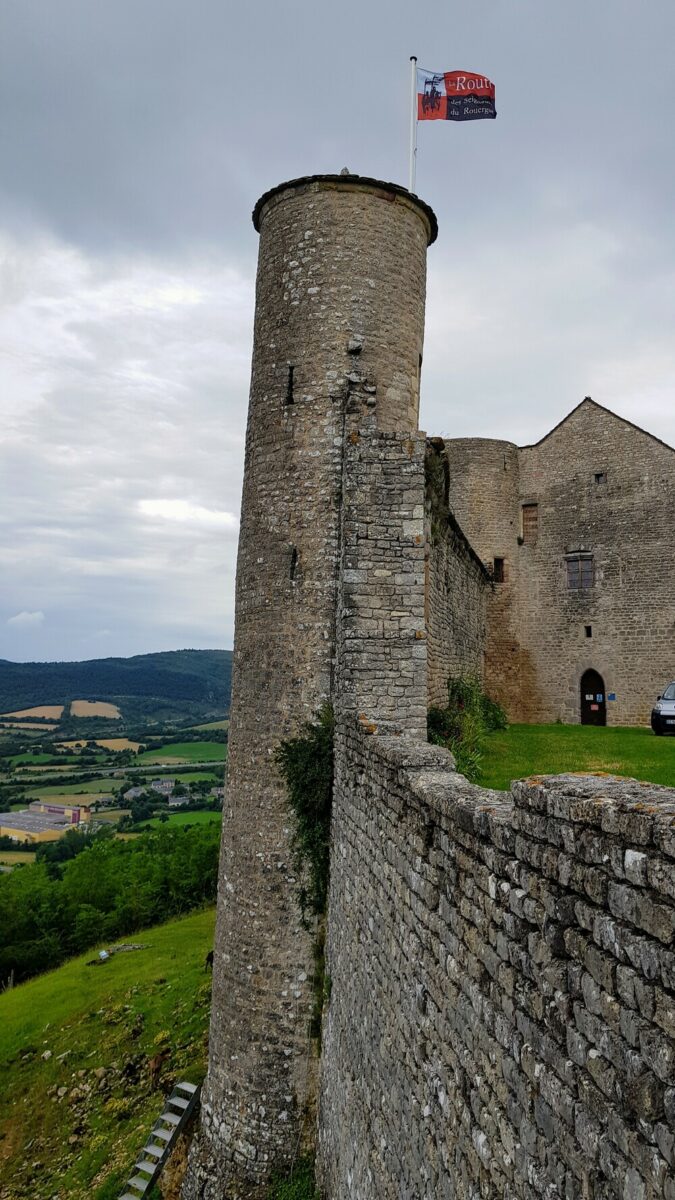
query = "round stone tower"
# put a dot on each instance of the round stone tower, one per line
(339, 306)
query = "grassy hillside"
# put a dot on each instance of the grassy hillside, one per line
(186, 682)
(76, 1104)
(523, 750)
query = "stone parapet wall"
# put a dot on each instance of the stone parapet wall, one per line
(502, 1014)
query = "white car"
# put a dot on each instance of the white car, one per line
(663, 712)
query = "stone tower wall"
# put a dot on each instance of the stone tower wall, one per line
(339, 314)
(458, 588)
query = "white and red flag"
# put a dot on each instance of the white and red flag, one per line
(454, 96)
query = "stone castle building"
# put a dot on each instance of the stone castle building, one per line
(501, 1019)
(576, 531)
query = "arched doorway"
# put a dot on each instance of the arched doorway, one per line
(593, 699)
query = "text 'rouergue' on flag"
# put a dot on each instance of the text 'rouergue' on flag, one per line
(454, 96)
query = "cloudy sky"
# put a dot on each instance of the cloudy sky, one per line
(135, 136)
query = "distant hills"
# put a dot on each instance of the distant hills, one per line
(155, 686)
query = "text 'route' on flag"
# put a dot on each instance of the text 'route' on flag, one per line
(454, 96)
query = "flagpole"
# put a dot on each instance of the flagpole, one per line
(413, 123)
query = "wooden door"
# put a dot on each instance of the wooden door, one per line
(593, 699)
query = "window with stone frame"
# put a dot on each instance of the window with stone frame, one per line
(530, 519)
(580, 571)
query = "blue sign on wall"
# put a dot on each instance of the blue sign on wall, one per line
(611, 695)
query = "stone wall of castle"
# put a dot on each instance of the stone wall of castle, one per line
(501, 1020)
(502, 1008)
(458, 588)
(598, 486)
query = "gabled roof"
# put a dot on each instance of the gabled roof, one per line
(587, 400)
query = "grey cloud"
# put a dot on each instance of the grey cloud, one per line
(135, 139)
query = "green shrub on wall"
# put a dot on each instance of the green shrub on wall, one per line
(462, 726)
(306, 764)
(300, 1185)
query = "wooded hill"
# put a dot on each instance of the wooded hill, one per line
(194, 682)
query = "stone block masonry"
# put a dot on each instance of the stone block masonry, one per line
(382, 652)
(502, 1012)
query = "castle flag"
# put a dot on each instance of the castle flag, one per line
(454, 96)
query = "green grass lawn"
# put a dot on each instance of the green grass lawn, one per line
(185, 818)
(523, 750)
(84, 1018)
(188, 751)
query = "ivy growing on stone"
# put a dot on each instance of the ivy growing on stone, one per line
(306, 765)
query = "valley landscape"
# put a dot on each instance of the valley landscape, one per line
(111, 807)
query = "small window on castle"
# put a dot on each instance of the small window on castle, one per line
(530, 523)
(589, 630)
(290, 399)
(600, 477)
(580, 573)
(498, 570)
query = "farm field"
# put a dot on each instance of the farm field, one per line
(101, 1021)
(94, 708)
(28, 725)
(26, 770)
(35, 760)
(523, 750)
(215, 775)
(179, 752)
(120, 743)
(10, 858)
(90, 787)
(185, 818)
(53, 711)
(225, 724)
